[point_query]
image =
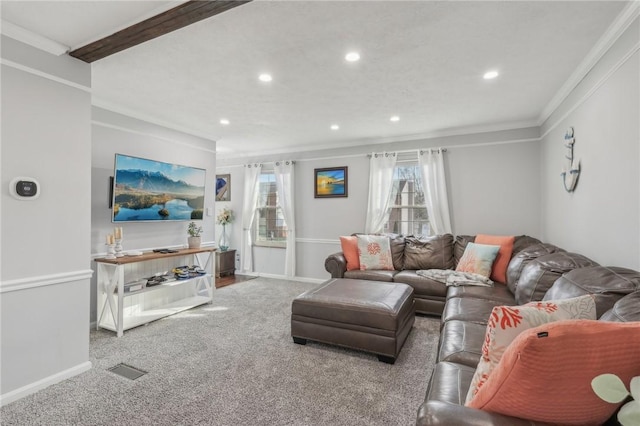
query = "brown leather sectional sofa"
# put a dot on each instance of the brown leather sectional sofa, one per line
(536, 271)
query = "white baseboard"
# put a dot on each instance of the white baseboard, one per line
(34, 387)
(282, 277)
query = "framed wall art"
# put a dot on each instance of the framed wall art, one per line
(331, 182)
(223, 187)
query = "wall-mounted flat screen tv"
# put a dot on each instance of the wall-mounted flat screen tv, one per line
(148, 190)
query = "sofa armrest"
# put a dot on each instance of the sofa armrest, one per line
(336, 265)
(445, 413)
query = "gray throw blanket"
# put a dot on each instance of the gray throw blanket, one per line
(455, 278)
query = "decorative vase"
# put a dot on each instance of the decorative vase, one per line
(194, 242)
(224, 241)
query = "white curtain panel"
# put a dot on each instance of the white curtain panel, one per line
(435, 190)
(284, 172)
(380, 191)
(249, 204)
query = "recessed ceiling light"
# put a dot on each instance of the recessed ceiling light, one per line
(395, 118)
(265, 77)
(334, 127)
(489, 75)
(224, 121)
(352, 56)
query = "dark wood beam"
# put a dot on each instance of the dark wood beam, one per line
(171, 20)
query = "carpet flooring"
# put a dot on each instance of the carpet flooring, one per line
(234, 363)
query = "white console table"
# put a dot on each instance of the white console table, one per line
(119, 311)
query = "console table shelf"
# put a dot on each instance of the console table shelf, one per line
(120, 311)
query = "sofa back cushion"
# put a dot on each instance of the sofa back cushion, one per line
(428, 252)
(545, 374)
(606, 284)
(539, 275)
(522, 259)
(522, 242)
(625, 309)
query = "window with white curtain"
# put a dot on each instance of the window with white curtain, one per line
(408, 210)
(270, 229)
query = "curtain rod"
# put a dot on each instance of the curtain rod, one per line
(410, 150)
(277, 163)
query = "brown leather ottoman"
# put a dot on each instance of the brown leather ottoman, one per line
(372, 316)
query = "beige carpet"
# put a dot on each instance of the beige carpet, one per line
(234, 363)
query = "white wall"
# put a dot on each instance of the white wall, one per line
(115, 133)
(601, 219)
(44, 290)
(493, 180)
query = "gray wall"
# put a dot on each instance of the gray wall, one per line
(115, 133)
(601, 219)
(493, 180)
(44, 291)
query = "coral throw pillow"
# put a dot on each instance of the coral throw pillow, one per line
(478, 258)
(499, 269)
(350, 251)
(507, 322)
(545, 374)
(374, 252)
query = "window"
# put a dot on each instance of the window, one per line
(408, 212)
(270, 228)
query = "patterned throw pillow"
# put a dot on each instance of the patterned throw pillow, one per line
(507, 322)
(374, 252)
(478, 259)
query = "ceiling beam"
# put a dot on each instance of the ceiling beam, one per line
(166, 22)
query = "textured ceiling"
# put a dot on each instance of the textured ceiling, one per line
(421, 60)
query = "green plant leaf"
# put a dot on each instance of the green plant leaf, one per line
(609, 388)
(629, 414)
(634, 388)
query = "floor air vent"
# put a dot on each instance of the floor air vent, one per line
(127, 371)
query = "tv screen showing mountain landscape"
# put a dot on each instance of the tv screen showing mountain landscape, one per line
(148, 190)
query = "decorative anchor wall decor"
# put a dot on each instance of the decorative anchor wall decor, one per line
(572, 168)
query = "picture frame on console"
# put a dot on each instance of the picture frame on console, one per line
(331, 182)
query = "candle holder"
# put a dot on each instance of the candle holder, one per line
(111, 251)
(118, 248)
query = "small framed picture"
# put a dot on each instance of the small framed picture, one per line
(331, 182)
(223, 187)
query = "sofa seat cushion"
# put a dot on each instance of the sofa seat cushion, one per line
(625, 309)
(606, 284)
(461, 342)
(498, 293)
(450, 382)
(373, 275)
(469, 309)
(421, 285)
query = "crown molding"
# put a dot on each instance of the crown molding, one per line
(613, 33)
(32, 39)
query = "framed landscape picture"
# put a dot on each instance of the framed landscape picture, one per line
(223, 187)
(331, 182)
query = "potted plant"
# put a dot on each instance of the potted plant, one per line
(194, 232)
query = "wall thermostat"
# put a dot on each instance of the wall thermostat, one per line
(24, 188)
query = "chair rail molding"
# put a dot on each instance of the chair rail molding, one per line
(44, 280)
